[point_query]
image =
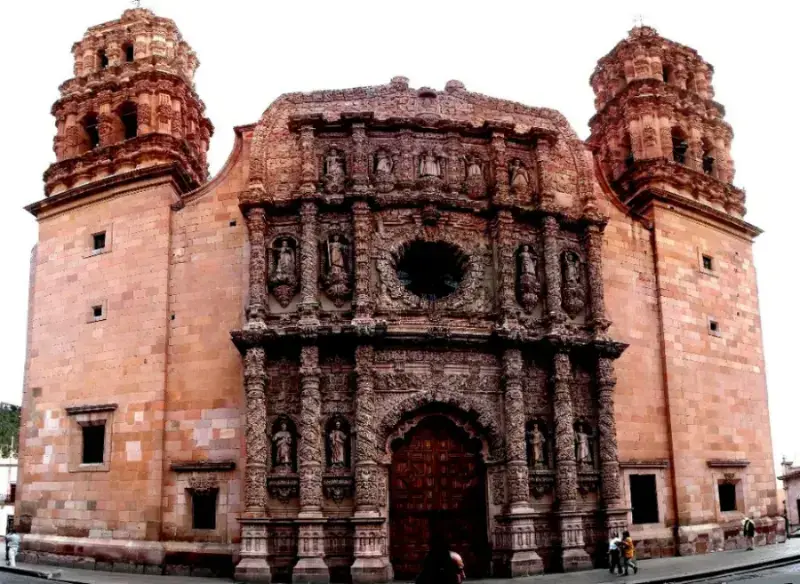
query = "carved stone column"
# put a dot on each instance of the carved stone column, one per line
(616, 515)
(308, 172)
(257, 307)
(311, 565)
(546, 191)
(524, 559)
(505, 262)
(362, 230)
(501, 187)
(594, 251)
(360, 173)
(253, 566)
(371, 562)
(308, 263)
(573, 554)
(552, 270)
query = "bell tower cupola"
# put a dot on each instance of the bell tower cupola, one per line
(657, 130)
(131, 107)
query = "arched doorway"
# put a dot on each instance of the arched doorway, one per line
(437, 487)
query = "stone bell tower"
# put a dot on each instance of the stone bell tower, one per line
(131, 106)
(658, 128)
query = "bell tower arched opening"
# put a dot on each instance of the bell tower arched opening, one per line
(437, 492)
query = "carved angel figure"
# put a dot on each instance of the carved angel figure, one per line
(429, 165)
(282, 441)
(337, 440)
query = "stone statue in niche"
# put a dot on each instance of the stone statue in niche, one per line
(283, 276)
(383, 171)
(474, 185)
(429, 165)
(334, 171)
(583, 445)
(519, 177)
(282, 448)
(528, 285)
(337, 445)
(573, 294)
(537, 445)
(337, 274)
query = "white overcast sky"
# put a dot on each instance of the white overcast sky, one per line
(539, 53)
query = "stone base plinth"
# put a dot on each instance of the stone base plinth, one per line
(526, 563)
(253, 570)
(311, 571)
(372, 571)
(575, 559)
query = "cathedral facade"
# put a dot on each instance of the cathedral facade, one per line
(394, 315)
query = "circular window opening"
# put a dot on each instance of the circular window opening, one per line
(431, 270)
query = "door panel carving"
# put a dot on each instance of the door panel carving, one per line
(438, 487)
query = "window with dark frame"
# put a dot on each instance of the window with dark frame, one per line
(97, 311)
(644, 498)
(94, 444)
(727, 497)
(713, 326)
(129, 55)
(204, 509)
(708, 263)
(99, 241)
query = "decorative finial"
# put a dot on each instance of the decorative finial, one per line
(639, 20)
(137, 3)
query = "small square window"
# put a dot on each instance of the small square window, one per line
(727, 496)
(708, 263)
(97, 311)
(99, 241)
(204, 509)
(94, 443)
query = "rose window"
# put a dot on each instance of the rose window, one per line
(431, 270)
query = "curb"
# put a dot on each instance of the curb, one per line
(42, 574)
(774, 563)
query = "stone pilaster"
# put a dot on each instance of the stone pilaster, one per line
(311, 565)
(371, 563)
(253, 566)
(309, 269)
(360, 172)
(524, 559)
(362, 231)
(308, 170)
(544, 180)
(616, 517)
(501, 187)
(594, 251)
(257, 306)
(552, 270)
(573, 554)
(505, 262)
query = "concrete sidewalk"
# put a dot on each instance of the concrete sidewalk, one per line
(656, 571)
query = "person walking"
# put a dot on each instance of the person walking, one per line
(441, 566)
(614, 554)
(629, 551)
(748, 531)
(12, 541)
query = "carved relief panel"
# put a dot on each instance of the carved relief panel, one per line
(283, 387)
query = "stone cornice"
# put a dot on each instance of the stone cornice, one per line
(90, 409)
(725, 463)
(203, 466)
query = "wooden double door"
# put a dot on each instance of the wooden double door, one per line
(438, 491)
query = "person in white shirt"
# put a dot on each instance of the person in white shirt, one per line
(615, 553)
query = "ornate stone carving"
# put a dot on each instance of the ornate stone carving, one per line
(541, 483)
(283, 275)
(308, 257)
(256, 430)
(383, 170)
(584, 445)
(594, 249)
(573, 291)
(311, 446)
(528, 284)
(474, 183)
(514, 419)
(566, 472)
(552, 269)
(337, 264)
(520, 179)
(338, 443)
(203, 483)
(284, 448)
(337, 487)
(607, 429)
(538, 445)
(334, 167)
(284, 488)
(256, 227)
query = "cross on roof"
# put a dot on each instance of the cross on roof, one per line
(137, 3)
(639, 20)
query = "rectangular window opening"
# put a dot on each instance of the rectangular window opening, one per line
(727, 497)
(204, 510)
(94, 444)
(644, 499)
(708, 263)
(99, 241)
(97, 311)
(713, 326)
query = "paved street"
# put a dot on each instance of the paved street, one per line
(6, 578)
(785, 575)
